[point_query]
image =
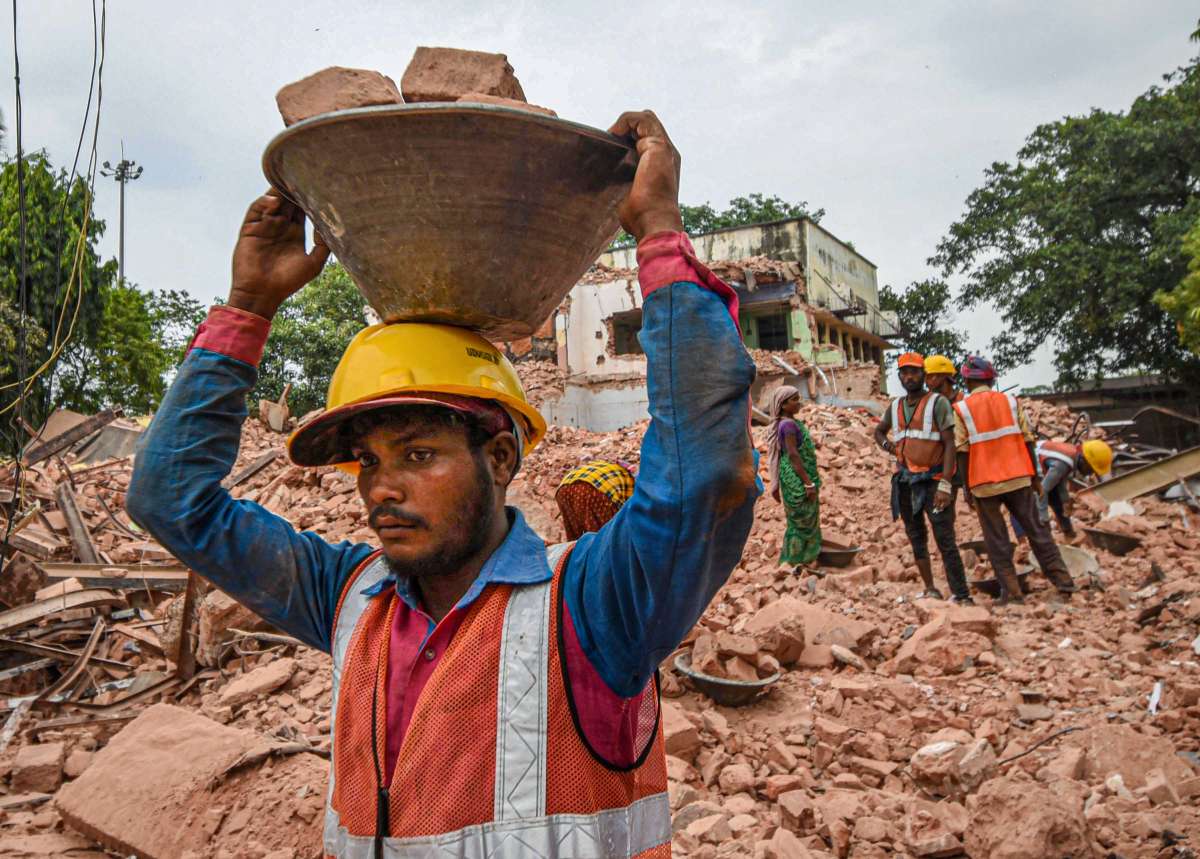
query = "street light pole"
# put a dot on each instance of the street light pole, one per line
(125, 171)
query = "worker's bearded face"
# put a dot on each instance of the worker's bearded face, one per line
(912, 379)
(430, 497)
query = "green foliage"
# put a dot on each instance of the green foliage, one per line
(123, 363)
(175, 316)
(741, 211)
(10, 334)
(55, 210)
(1072, 242)
(922, 311)
(1183, 302)
(308, 336)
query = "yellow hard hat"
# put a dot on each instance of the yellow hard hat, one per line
(395, 364)
(1098, 455)
(939, 364)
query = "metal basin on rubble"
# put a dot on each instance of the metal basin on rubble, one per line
(730, 693)
(467, 214)
(1111, 541)
(834, 554)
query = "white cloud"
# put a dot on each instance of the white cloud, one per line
(884, 114)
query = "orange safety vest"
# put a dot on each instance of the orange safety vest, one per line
(998, 451)
(918, 441)
(1048, 450)
(492, 763)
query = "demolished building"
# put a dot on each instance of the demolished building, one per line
(809, 313)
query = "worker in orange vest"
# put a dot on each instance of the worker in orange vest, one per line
(1057, 462)
(996, 453)
(921, 424)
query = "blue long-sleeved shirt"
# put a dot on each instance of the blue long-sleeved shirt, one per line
(633, 590)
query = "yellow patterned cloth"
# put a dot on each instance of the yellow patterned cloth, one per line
(611, 478)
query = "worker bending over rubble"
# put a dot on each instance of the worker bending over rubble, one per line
(922, 427)
(1057, 463)
(996, 453)
(489, 697)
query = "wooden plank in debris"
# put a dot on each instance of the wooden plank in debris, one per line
(83, 720)
(185, 656)
(76, 671)
(119, 577)
(142, 636)
(33, 612)
(36, 543)
(85, 549)
(61, 654)
(18, 670)
(63, 440)
(251, 469)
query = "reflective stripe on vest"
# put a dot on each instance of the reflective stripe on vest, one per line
(618, 832)
(920, 448)
(927, 431)
(520, 826)
(974, 436)
(998, 452)
(1056, 450)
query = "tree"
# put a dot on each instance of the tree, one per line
(175, 316)
(65, 277)
(1183, 302)
(123, 363)
(1071, 243)
(10, 335)
(308, 336)
(922, 311)
(741, 211)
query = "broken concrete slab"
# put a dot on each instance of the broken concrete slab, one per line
(260, 681)
(1017, 818)
(159, 789)
(448, 74)
(335, 88)
(38, 768)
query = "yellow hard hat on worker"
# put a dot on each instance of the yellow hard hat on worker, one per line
(1098, 455)
(940, 364)
(413, 363)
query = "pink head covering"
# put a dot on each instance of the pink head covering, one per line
(775, 411)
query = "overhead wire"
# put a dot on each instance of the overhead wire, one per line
(75, 278)
(63, 290)
(15, 422)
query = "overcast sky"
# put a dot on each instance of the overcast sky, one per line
(885, 116)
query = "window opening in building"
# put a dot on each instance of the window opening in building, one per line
(773, 332)
(625, 328)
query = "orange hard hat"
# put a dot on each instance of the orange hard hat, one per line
(911, 359)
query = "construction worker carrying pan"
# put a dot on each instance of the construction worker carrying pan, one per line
(490, 697)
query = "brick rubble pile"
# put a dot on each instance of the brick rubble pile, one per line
(897, 727)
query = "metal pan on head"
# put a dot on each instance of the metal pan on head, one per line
(465, 214)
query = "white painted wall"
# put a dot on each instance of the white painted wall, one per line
(598, 409)
(586, 331)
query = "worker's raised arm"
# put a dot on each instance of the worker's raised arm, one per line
(634, 589)
(291, 579)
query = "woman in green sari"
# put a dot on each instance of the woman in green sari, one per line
(792, 460)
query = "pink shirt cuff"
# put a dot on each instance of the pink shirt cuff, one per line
(667, 258)
(234, 333)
